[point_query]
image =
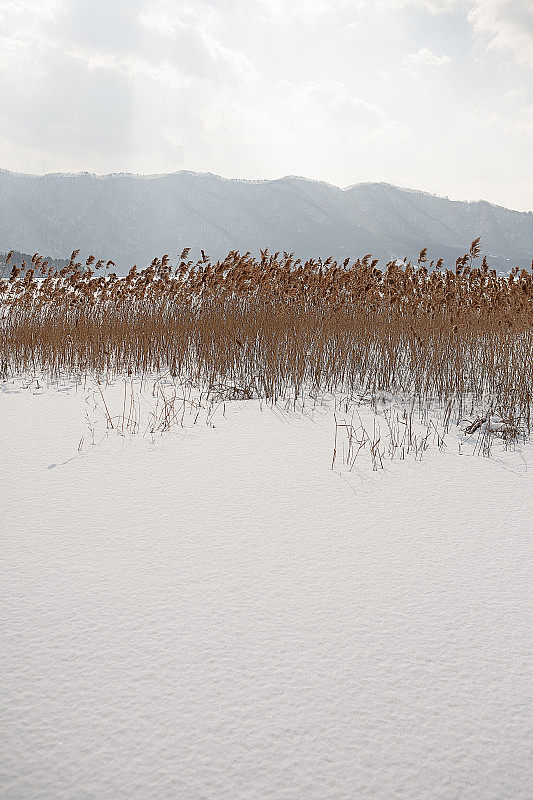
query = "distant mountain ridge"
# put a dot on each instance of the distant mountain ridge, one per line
(131, 219)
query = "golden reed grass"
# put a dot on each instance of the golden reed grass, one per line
(281, 326)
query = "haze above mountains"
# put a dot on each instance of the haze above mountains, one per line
(131, 219)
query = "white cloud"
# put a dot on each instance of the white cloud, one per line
(506, 25)
(187, 49)
(288, 10)
(27, 11)
(432, 6)
(421, 63)
(194, 23)
(21, 56)
(327, 107)
(22, 42)
(425, 58)
(166, 17)
(524, 122)
(131, 67)
(516, 93)
(436, 6)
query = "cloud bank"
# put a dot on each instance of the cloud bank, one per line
(434, 94)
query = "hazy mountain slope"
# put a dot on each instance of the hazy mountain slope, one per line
(18, 258)
(131, 219)
(405, 215)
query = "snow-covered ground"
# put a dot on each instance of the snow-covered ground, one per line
(215, 612)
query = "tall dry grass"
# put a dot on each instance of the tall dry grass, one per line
(276, 326)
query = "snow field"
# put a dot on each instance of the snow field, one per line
(213, 612)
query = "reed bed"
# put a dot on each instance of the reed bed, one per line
(276, 327)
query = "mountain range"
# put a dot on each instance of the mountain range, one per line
(131, 219)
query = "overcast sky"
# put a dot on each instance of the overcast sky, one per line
(428, 94)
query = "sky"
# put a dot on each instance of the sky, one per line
(428, 94)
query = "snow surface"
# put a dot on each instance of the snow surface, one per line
(214, 612)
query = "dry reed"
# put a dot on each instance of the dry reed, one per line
(276, 327)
